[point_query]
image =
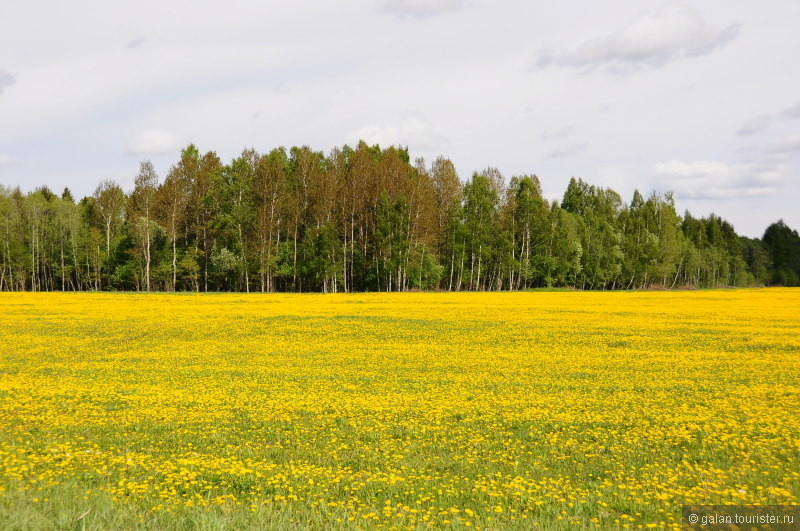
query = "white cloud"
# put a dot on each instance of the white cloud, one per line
(136, 43)
(153, 142)
(567, 150)
(786, 146)
(558, 133)
(706, 179)
(421, 8)
(6, 160)
(653, 39)
(756, 125)
(793, 111)
(6, 80)
(81, 95)
(414, 131)
(691, 169)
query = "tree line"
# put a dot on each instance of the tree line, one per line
(367, 219)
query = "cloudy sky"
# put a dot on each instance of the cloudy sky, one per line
(702, 98)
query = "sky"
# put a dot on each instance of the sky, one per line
(698, 98)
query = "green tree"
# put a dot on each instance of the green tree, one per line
(529, 213)
(235, 212)
(783, 245)
(480, 214)
(141, 205)
(172, 200)
(109, 200)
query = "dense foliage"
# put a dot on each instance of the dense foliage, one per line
(367, 219)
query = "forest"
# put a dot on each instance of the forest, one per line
(368, 219)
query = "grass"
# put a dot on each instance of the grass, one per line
(501, 411)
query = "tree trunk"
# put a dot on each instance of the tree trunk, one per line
(294, 266)
(480, 253)
(147, 258)
(108, 236)
(205, 260)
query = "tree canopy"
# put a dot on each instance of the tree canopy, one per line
(367, 219)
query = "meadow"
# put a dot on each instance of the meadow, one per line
(402, 410)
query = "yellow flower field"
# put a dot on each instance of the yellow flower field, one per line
(465, 410)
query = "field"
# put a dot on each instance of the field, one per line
(461, 410)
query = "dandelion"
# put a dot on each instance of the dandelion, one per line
(610, 409)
